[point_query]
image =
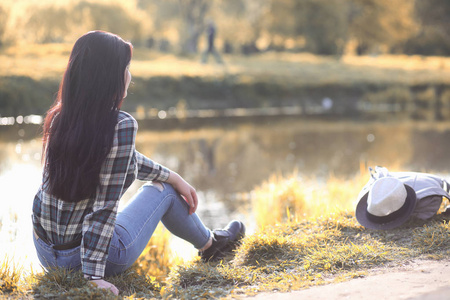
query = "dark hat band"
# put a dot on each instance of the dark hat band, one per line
(391, 217)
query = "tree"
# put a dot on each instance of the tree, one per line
(4, 15)
(52, 23)
(321, 23)
(256, 12)
(380, 22)
(435, 13)
(109, 17)
(192, 14)
(433, 37)
(47, 24)
(284, 21)
(187, 16)
(241, 22)
(324, 25)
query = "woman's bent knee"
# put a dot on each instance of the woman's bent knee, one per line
(156, 184)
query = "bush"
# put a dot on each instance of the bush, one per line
(325, 26)
(21, 95)
(425, 104)
(398, 98)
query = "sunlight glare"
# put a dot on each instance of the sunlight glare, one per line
(19, 184)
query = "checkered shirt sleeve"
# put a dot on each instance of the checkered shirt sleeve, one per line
(150, 170)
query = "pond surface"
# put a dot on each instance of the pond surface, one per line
(226, 163)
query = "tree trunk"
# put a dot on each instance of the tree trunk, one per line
(193, 18)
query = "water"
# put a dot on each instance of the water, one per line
(19, 179)
(225, 163)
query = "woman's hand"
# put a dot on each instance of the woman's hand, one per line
(103, 284)
(185, 189)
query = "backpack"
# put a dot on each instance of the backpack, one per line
(429, 189)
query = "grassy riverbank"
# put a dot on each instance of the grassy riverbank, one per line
(289, 256)
(307, 244)
(49, 61)
(31, 74)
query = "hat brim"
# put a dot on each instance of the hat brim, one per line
(363, 219)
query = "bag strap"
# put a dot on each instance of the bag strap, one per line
(372, 173)
(445, 185)
(378, 173)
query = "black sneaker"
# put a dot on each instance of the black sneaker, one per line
(224, 241)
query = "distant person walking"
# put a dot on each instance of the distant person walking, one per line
(90, 160)
(211, 49)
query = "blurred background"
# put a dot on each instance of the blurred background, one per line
(230, 93)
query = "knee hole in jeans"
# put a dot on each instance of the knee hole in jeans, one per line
(158, 185)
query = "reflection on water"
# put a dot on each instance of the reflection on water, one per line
(224, 162)
(238, 158)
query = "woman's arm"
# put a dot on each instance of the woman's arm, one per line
(150, 170)
(185, 189)
(147, 169)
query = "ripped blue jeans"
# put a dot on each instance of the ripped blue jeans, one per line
(135, 225)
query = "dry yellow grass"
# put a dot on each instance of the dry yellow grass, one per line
(294, 197)
(157, 258)
(11, 278)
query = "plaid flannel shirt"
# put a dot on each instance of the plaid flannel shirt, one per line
(93, 220)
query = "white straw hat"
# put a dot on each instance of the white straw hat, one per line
(388, 204)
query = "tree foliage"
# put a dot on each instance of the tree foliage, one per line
(324, 25)
(380, 22)
(327, 27)
(435, 13)
(192, 14)
(108, 17)
(4, 17)
(48, 24)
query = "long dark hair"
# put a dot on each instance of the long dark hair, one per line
(79, 127)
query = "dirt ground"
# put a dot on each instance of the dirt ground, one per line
(414, 280)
